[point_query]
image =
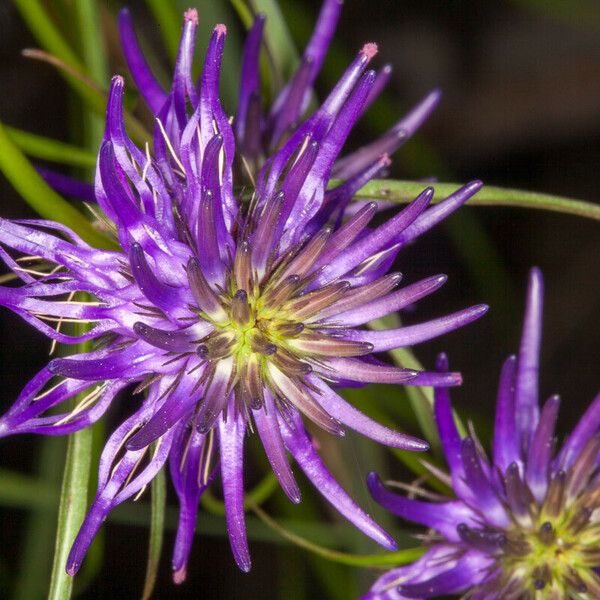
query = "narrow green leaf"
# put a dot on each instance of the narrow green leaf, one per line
(73, 504)
(244, 12)
(70, 66)
(168, 19)
(405, 191)
(45, 148)
(94, 58)
(158, 505)
(40, 196)
(283, 57)
(46, 32)
(25, 492)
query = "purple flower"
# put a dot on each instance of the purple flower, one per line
(239, 291)
(522, 526)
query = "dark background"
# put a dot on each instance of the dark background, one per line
(521, 108)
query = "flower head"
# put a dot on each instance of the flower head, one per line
(524, 525)
(239, 291)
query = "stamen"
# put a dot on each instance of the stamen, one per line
(242, 270)
(308, 255)
(203, 293)
(261, 344)
(327, 345)
(170, 146)
(278, 294)
(313, 303)
(240, 308)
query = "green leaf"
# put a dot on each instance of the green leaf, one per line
(405, 191)
(88, 83)
(39, 22)
(73, 504)
(45, 148)
(158, 505)
(25, 492)
(94, 59)
(168, 19)
(283, 55)
(40, 196)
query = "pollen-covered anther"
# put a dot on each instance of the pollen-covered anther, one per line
(312, 303)
(290, 364)
(219, 345)
(242, 269)
(276, 295)
(240, 308)
(203, 294)
(328, 345)
(260, 344)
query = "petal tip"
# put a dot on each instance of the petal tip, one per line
(369, 50)
(180, 575)
(191, 15)
(117, 81)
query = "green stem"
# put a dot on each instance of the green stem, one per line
(40, 196)
(405, 191)
(169, 20)
(158, 505)
(73, 504)
(45, 148)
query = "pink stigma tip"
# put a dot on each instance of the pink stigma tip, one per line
(221, 29)
(180, 575)
(118, 80)
(191, 14)
(369, 50)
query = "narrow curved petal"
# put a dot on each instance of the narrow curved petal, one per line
(506, 439)
(146, 83)
(442, 516)
(298, 443)
(526, 384)
(389, 339)
(231, 444)
(272, 441)
(344, 412)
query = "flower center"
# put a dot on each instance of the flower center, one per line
(269, 325)
(553, 548)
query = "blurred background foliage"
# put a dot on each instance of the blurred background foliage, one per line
(521, 109)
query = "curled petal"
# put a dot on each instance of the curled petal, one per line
(298, 443)
(339, 409)
(231, 443)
